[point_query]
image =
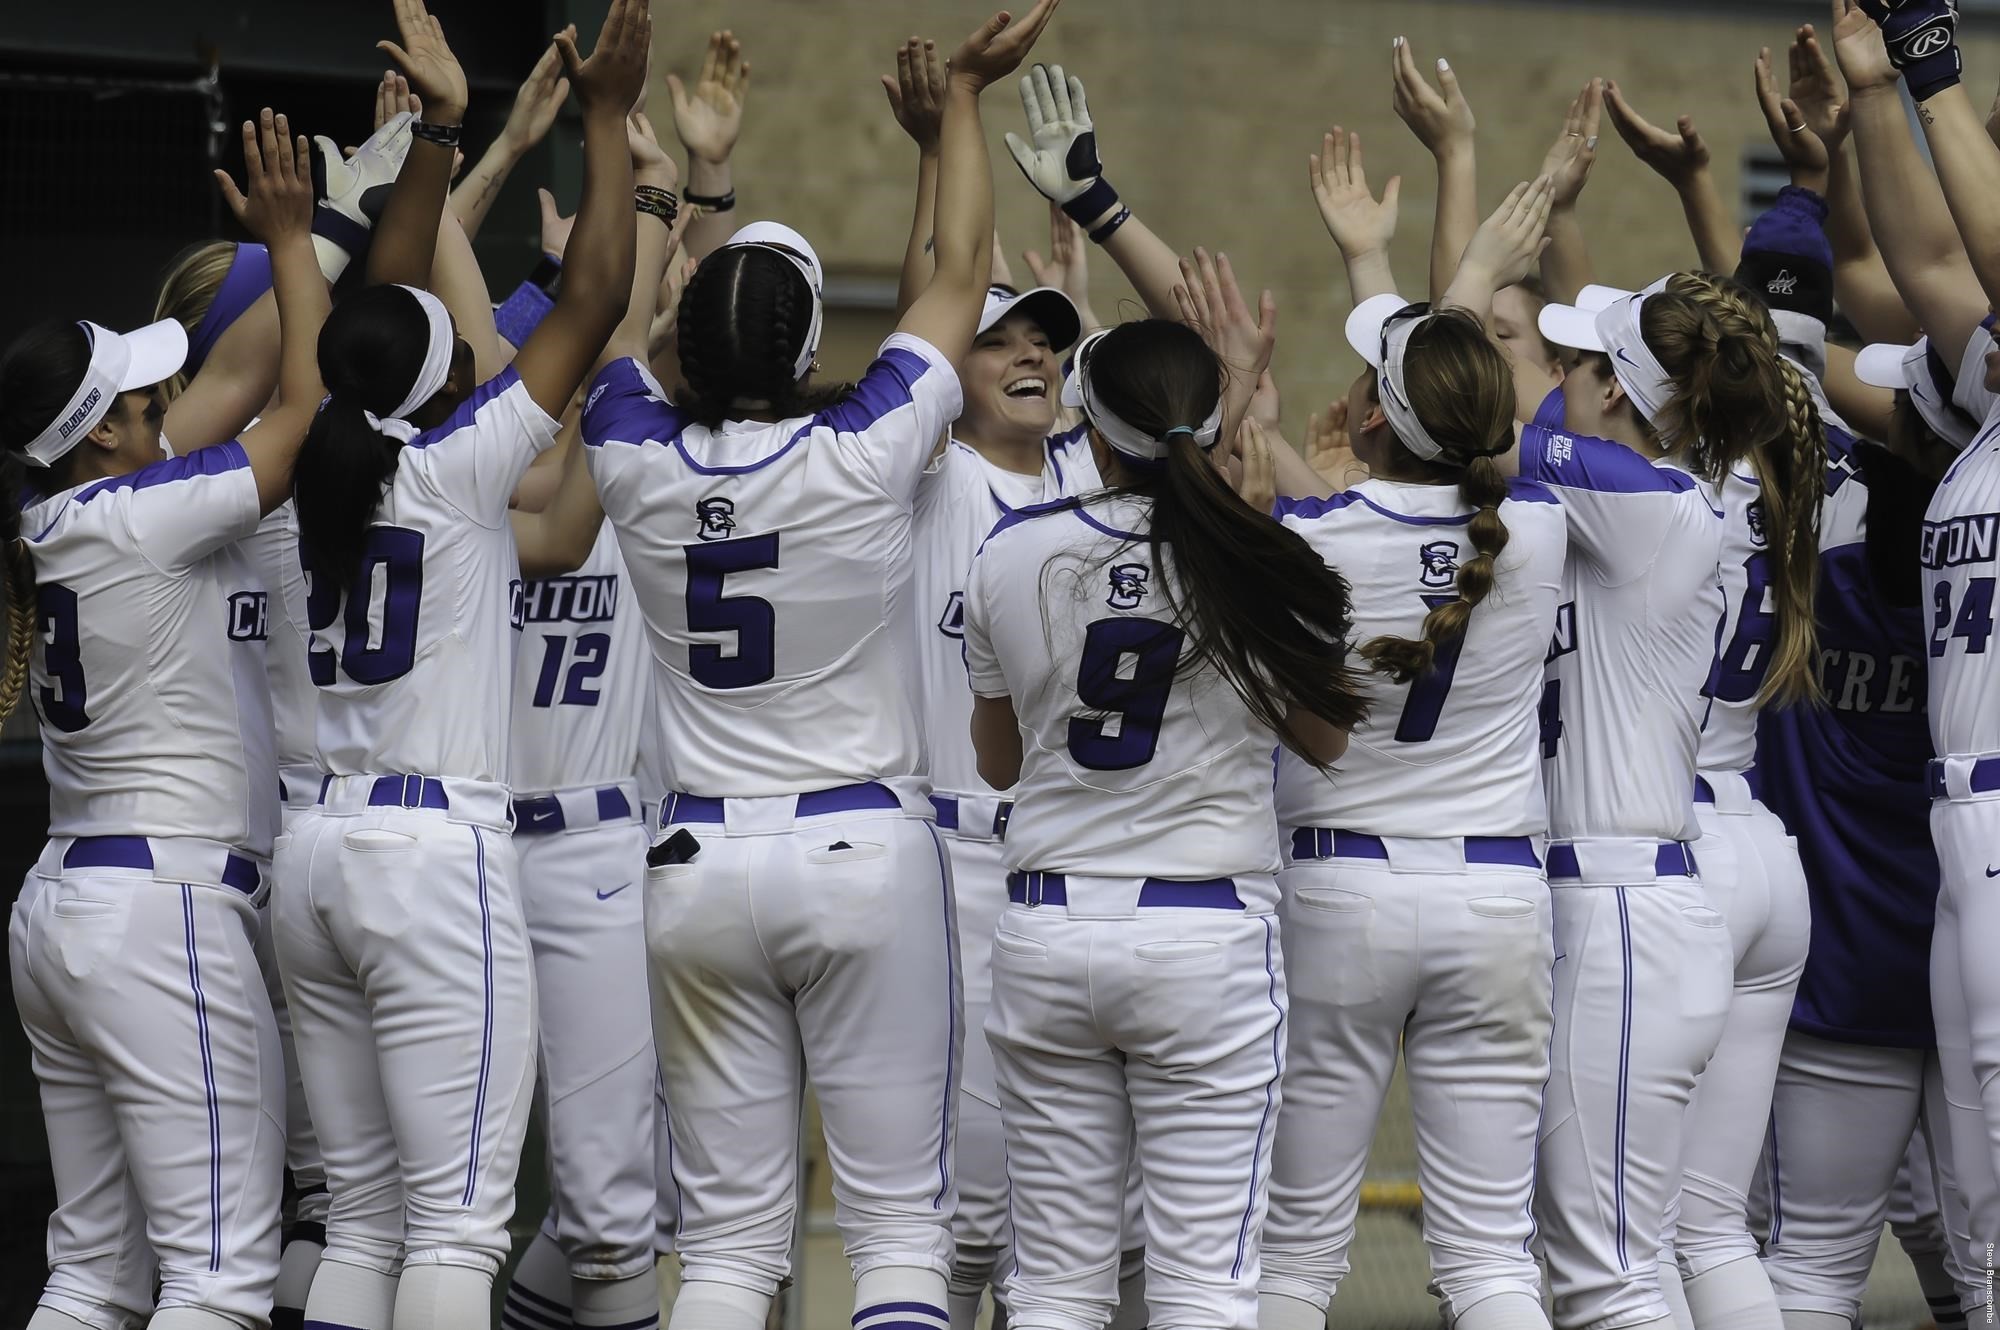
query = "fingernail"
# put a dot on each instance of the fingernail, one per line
(1443, 67)
(1590, 142)
(1395, 42)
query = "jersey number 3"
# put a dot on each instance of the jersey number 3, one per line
(396, 554)
(1125, 675)
(62, 698)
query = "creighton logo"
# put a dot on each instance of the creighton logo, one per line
(1440, 563)
(1755, 515)
(1128, 586)
(1784, 284)
(718, 518)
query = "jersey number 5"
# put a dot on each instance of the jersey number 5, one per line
(1126, 672)
(751, 618)
(397, 554)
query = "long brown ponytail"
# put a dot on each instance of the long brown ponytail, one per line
(1255, 600)
(1462, 388)
(1736, 399)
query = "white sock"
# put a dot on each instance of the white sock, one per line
(704, 1304)
(900, 1297)
(48, 1318)
(444, 1297)
(1816, 1321)
(295, 1279)
(1131, 1313)
(1735, 1295)
(1676, 1296)
(352, 1297)
(630, 1301)
(1281, 1311)
(1503, 1311)
(964, 1309)
(538, 1295)
(192, 1318)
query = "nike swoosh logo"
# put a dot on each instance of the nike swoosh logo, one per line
(1993, 872)
(1627, 359)
(607, 895)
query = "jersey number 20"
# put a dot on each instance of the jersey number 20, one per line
(396, 554)
(1125, 674)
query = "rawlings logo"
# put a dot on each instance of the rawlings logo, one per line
(1927, 42)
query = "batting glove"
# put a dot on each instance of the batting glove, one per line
(352, 192)
(1922, 37)
(1060, 155)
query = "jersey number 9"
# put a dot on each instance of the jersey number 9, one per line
(1126, 673)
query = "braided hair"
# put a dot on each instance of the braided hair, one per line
(1735, 399)
(743, 321)
(1462, 388)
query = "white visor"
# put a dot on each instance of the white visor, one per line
(119, 363)
(1613, 330)
(1128, 439)
(1379, 330)
(1575, 326)
(801, 255)
(1053, 312)
(1887, 365)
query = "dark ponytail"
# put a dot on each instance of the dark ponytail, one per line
(371, 349)
(38, 374)
(1254, 599)
(743, 319)
(1462, 389)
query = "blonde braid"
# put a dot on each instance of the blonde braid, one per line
(19, 575)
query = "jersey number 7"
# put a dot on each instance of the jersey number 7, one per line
(1425, 702)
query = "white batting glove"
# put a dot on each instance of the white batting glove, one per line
(1060, 155)
(352, 191)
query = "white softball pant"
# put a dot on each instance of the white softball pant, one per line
(135, 975)
(1413, 945)
(585, 908)
(1750, 872)
(1164, 1022)
(824, 943)
(1965, 1000)
(1643, 976)
(1841, 1124)
(406, 964)
(979, 888)
(302, 1158)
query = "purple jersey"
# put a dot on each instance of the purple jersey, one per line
(1847, 778)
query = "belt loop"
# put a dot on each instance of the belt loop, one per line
(413, 791)
(1323, 842)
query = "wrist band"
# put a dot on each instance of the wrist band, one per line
(1105, 232)
(547, 276)
(519, 315)
(711, 202)
(657, 202)
(1093, 203)
(445, 136)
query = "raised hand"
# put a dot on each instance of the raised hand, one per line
(1569, 159)
(1506, 245)
(1067, 268)
(1859, 47)
(1257, 477)
(1329, 451)
(538, 101)
(555, 226)
(650, 163)
(278, 169)
(1059, 156)
(1677, 156)
(1803, 150)
(709, 118)
(1357, 221)
(1213, 305)
(615, 75)
(916, 92)
(1441, 120)
(1817, 90)
(426, 58)
(998, 46)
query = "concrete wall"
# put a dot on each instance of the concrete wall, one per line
(1207, 109)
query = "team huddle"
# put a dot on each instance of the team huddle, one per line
(577, 705)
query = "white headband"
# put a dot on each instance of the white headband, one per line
(796, 250)
(119, 362)
(1128, 439)
(1638, 371)
(1395, 394)
(436, 368)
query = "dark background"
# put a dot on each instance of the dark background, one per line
(109, 124)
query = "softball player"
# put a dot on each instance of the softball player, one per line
(1011, 379)
(1857, 1077)
(1643, 964)
(132, 943)
(797, 905)
(1138, 986)
(1395, 932)
(400, 932)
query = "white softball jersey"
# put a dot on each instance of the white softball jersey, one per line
(579, 677)
(273, 549)
(961, 499)
(1749, 624)
(1465, 735)
(156, 720)
(407, 662)
(1131, 767)
(1961, 558)
(1635, 635)
(771, 562)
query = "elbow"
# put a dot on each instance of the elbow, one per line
(1001, 771)
(1330, 747)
